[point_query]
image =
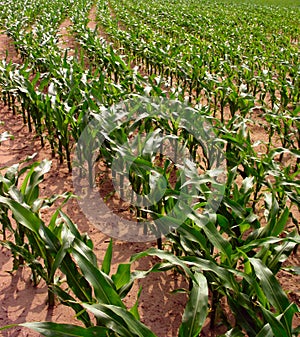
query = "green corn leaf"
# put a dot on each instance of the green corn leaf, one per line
(71, 302)
(122, 276)
(175, 261)
(285, 320)
(270, 285)
(280, 224)
(215, 237)
(236, 208)
(86, 251)
(11, 175)
(266, 331)
(196, 309)
(134, 325)
(15, 194)
(107, 318)
(246, 317)
(225, 275)
(287, 316)
(134, 310)
(28, 175)
(59, 258)
(8, 326)
(101, 283)
(22, 215)
(272, 208)
(281, 253)
(276, 326)
(193, 234)
(223, 222)
(107, 259)
(50, 329)
(52, 223)
(247, 185)
(74, 230)
(76, 281)
(295, 270)
(119, 320)
(36, 176)
(250, 245)
(252, 280)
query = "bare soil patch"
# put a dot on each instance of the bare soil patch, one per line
(66, 39)
(7, 49)
(92, 18)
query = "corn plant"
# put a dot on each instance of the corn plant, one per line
(93, 291)
(26, 246)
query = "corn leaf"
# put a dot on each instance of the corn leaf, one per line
(270, 285)
(22, 215)
(71, 302)
(100, 282)
(50, 329)
(266, 331)
(122, 276)
(107, 259)
(119, 320)
(196, 309)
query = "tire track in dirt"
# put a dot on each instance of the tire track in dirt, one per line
(66, 40)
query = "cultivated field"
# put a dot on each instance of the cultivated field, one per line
(172, 128)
